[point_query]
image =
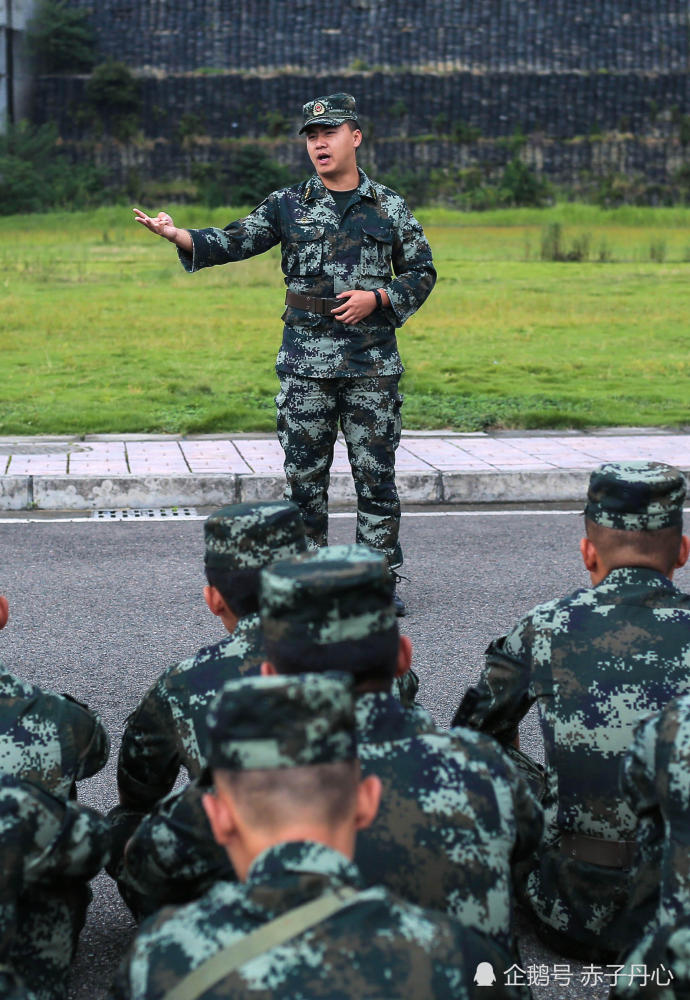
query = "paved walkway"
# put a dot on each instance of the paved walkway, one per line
(130, 471)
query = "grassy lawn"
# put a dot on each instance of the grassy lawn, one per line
(103, 331)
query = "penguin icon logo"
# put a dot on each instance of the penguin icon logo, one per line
(484, 976)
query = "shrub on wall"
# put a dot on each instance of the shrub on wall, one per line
(60, 38)
(36, 176)
(113, 96)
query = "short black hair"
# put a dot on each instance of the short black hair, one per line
(239, 588)
(617, 547)
(372, 660)
(270, 799)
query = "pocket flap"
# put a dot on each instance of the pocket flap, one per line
(304, 234)
(382, 231)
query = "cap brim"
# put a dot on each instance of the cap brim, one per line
(321, 120)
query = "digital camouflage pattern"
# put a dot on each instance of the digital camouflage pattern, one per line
(332, 110)
(378, 946)
(48, 738)
(324, 254)
(454, 817)
(337, 594)
(309, 412)
(656, 784)
(636, 496)
(50, 848)
(268, 723)
(167, 729)
(596, 662)
(251, 535)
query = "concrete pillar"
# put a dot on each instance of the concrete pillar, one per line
(15, 71)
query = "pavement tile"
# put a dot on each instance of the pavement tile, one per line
(37, 465)
(156, 458)
(441, 454)
(264, 457)
(213, 456)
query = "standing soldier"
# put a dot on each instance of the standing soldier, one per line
(342, 238)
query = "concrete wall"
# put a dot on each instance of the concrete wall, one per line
(314, 35)
(557, 70)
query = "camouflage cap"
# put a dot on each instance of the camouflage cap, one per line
(334, 594)
(636, 496)
(252, 535)
(332, 110)
(264, 723)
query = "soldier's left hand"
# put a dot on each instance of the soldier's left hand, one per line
(356, 306)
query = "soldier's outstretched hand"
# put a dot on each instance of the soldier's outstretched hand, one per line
(162, 225)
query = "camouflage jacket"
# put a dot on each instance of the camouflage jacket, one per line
(48, 738)
(596, 662)
(454, 815)
(45, 842)
(656, 784)
(324, 254)
(379, 946)
(166, 730)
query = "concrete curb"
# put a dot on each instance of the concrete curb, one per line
(114, 492)
(139, 471)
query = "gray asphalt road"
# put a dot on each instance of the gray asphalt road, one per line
(100, 609)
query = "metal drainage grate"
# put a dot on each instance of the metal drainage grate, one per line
(144, 514)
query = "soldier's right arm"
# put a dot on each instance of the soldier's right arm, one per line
(640, 780)
(149, 758)
(172, 858)
(54, 839)
(503, 695)
(244, 238)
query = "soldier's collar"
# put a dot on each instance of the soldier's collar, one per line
(315, 187)
(381, 717)
(297, 857)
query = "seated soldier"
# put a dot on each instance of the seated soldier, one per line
(164, 731)
(52, 741)
(45, 842)
(287, 804)
(656, 785)
(455, 813)
(596, 662)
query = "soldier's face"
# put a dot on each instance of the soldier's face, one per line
(332, 149)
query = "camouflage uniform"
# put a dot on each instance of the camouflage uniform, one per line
(376, 946)
(596, 662)
(49, 849)
(50, 739)
(656, 785)
(455, 814)
(167, 729)
(53, 741)
(331, 373)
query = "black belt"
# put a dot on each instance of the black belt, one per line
(597, 851)
(311, 304)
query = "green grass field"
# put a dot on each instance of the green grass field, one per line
(103, 331)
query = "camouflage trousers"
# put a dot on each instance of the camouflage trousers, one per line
(49, 921)
(309, 412)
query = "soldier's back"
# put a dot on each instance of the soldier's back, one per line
(454, 815)
(376, 946)
(51, 739)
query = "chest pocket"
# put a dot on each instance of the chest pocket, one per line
(303, 250)
(377, 247)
